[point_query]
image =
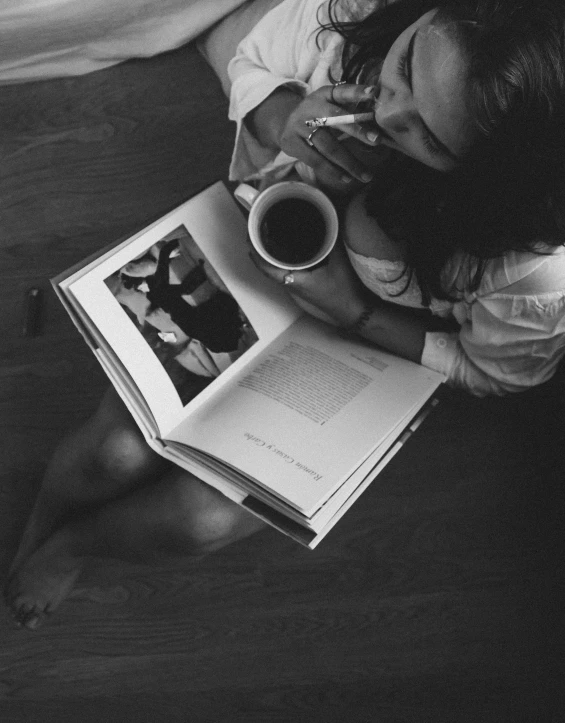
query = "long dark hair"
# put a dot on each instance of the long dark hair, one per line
(508, 192)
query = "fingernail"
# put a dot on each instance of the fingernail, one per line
(369, 89)
(366, 177)
(346, 179)
(372, 137)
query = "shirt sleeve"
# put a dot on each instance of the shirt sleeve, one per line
(507, 343)
(280, 51)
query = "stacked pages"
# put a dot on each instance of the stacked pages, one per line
(227, 377)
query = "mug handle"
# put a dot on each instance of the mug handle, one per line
(246, 195)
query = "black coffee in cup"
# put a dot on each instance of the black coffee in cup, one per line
(293, 230)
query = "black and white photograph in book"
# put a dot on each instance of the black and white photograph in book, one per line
(183, 310)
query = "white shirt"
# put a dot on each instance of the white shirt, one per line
(512, 329)
(512, 333)
(263, 63)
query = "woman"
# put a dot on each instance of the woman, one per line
(469, 87)
(468, 222)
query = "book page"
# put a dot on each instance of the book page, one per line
(181, 305)
(308, 411)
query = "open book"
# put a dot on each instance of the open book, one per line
(227, 377)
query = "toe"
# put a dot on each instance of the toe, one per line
(28, 615)
(21, 608)
(32, 620)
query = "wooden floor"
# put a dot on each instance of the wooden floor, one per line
(436, 597)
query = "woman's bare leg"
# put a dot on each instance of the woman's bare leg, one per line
(103, 459)
(177, 516)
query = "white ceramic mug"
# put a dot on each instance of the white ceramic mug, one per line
(258, 204)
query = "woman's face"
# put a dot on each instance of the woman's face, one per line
(420, 103)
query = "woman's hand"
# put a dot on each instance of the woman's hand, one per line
(333, 164)
(333, 292)
(280, 122)
(331, 288)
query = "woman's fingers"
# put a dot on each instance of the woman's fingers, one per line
(335, 162)
(349, 95)
(350, 98)
(367, 134)
(333, 159)
(273, 272)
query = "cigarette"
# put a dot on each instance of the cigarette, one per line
(340, 120)
(32, 312)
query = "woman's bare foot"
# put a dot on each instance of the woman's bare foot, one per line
(46, 578)
(179, 516)
(101, 460)
(44, 518)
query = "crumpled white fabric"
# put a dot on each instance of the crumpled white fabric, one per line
(42, 39)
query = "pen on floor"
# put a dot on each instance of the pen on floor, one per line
(32, 312)
(340, 120)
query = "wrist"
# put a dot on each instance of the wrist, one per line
(363, 318)
(355, 315)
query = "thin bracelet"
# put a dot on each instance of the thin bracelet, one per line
(363, 318)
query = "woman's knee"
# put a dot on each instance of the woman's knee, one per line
(116, 450)
(207, 520)
(122, 456)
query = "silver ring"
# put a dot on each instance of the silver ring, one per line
(288, 279)
(334, 86)
(309, 139)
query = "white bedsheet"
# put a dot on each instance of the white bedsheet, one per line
(42, 39)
